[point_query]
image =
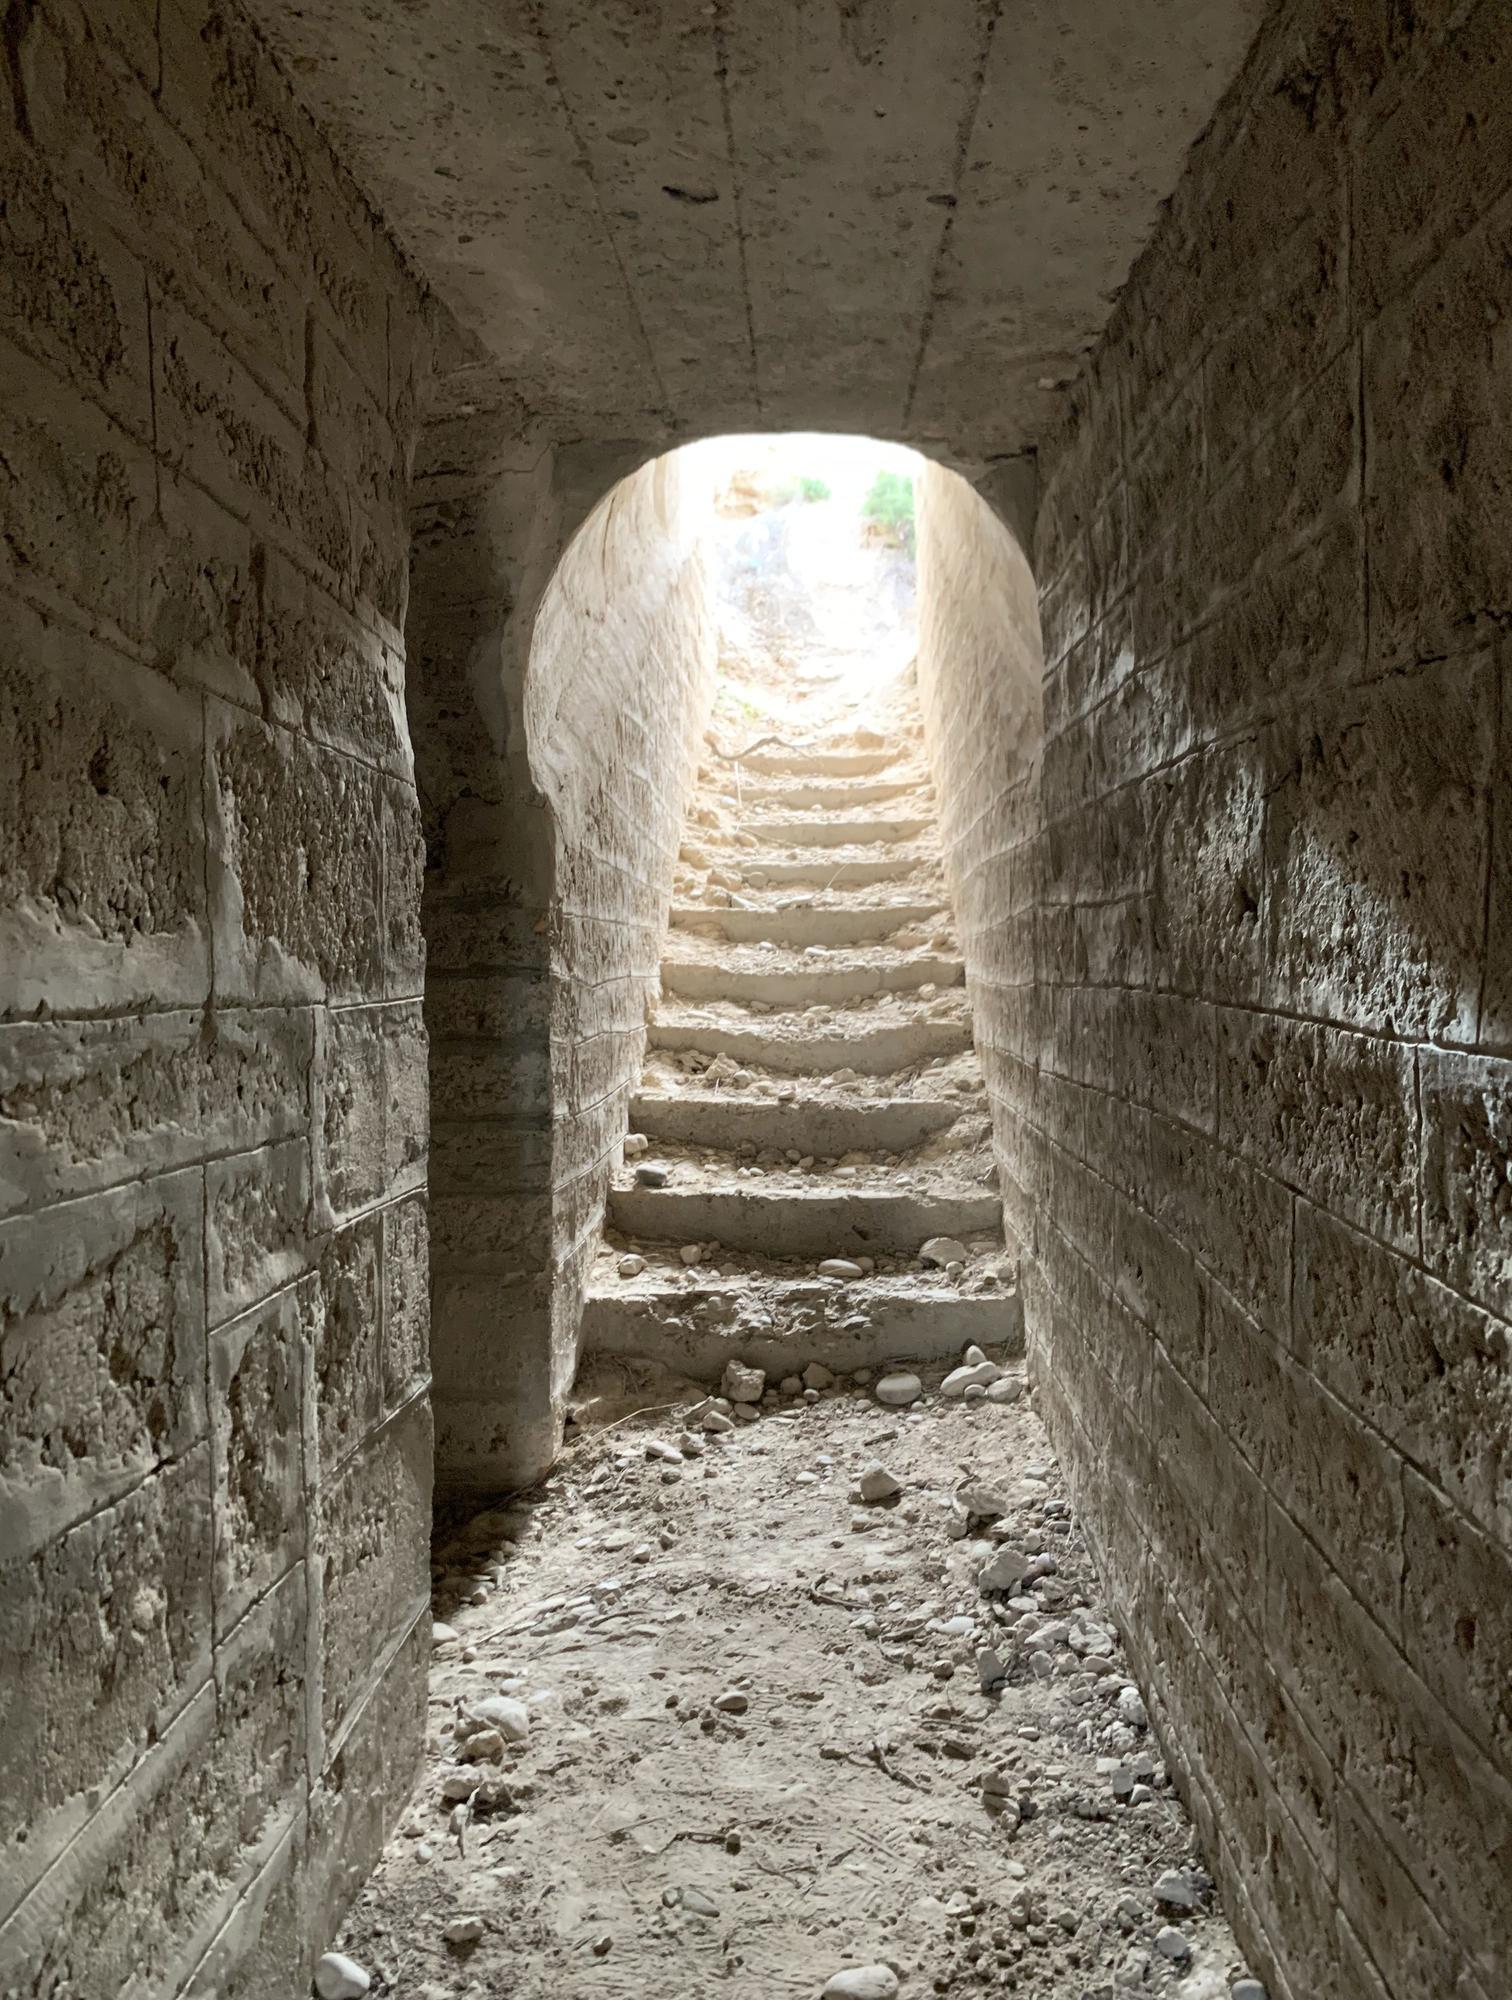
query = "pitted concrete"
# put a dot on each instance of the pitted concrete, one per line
(661, 223)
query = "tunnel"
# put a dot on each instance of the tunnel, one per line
(358, 362)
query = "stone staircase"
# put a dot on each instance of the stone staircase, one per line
(812, 1121)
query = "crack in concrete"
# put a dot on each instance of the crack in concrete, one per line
(991, 13)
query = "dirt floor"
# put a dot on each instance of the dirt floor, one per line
(758, 1749)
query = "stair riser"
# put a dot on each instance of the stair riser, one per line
(827, 798)
(793, 988)
(822, 874)
(730, 1119)
(800, 927)
(820, 1224)
(865, 1331)
(874, 1053)
(837, 832)
(816, 763)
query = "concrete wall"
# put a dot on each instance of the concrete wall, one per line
(1254, 1111)
(214, 1440)
(555, 747)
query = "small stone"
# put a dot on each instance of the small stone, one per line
(746, 1413)
(463, 1930)
(742, 1384)
(636, 1143)
(484, 1746)
(878, 1484)
(655, 1448)
(690, 1446)
(973, 1357)
(602, 1946)
(691, 1253)
(942, 1250)
(1004, 1570)
(981, 1500)
(1007, 1389)
(981, 1377)
(991, 1671)
(1172, 1944)
(898, 1389)
(862, 1982)
(1175, 1890)
(631, 1267)
(817, 1376)
(715, 1421)
(502, 1712)
(650, 1176)
(732, 1702)
(338, 1977)
(791, 1385)
(1131, 1708)
(441, 1635)
(840, 1267)
(1247, 1989)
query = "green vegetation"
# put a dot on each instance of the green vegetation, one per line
(888, 510)
(810, 488)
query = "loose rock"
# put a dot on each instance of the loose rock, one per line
(338, 1977)
(742, 1384)
(631, 1267)
(463, 1930)
(980, 1377)
(502, 1712)
(817, 1376)
(878, 1484)
(898, 1389)
(840, 1267)
(942, 1250)
(862, 1982)
(1172, 1944)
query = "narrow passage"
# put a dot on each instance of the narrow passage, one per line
(806, 1685)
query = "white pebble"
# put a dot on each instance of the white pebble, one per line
(338, 1977)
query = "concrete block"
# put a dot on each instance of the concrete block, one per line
(406, 1109)
(1235, 1221)
(258, 1226)
(1467, 1136)
(106, 1639)
(296, 866)
(406, 1301)
(90, 1103)
(403, 876)
(1439, 414)
(103, 1333)
(372, 1548)
(1416, 1361)
(350, 1106)
(1457, 1616)
(1376, 832)
(258, 1370)
(1332, 1114)
(340, 1306)
(100, 818)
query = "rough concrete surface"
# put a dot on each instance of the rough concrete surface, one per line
(214, 1439)
(1234, 948)
(671, 222)
(761, 1729)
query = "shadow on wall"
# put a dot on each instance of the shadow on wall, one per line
(550, 876)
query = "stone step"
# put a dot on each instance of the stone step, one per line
(831, 798)
(821, 1126)
(857, 923)
(874, 1049)
(695, 1323)
(820, 870)
(802, 984)
(836, 832)
(819, 763)
(822, 1221)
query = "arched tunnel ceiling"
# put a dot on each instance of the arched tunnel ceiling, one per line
(904, 217)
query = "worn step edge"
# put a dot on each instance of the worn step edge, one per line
(721, 1118)
(858, 924)
(870, 1051)
(820, 763)
(862, 1325)
(820, 798)
(851, 872)
(801, 986)
(802, 833)
(797, 1222)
